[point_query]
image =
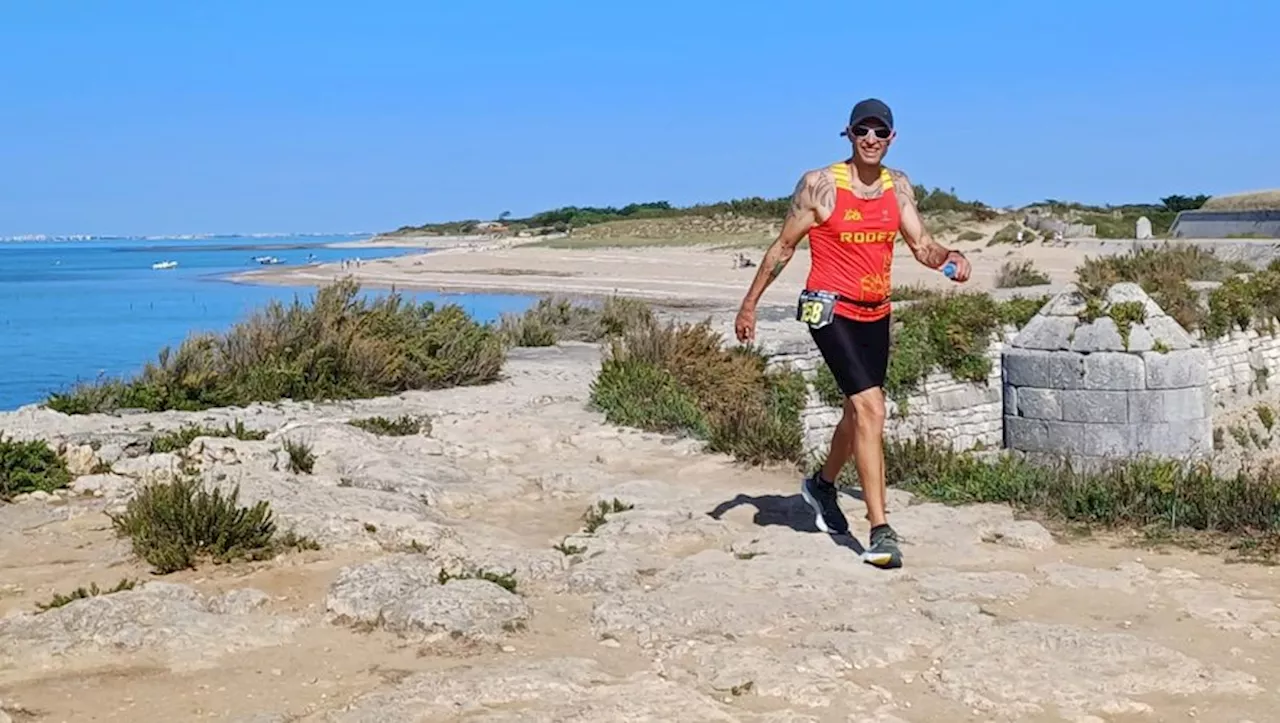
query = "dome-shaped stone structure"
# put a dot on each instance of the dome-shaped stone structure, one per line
(1106, 379)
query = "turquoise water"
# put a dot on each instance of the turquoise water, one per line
(75, 310)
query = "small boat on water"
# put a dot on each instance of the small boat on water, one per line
(161, 265)
(268, 260)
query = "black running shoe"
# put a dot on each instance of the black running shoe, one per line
(821, 496)
(884, 550)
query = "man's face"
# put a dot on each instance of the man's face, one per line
(871, 139)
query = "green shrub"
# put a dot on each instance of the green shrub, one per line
(679, 378)
(174, 525)
(597, 514)
(182, 437)
(1163, 272)
(301, 458)
(555, 319)
(30, 467)
(1147, 493)
(828, 389)
(340, 347)
(404, 426)
(950, 332)
(1014, 274)
(970, 235)
(1009, 235)
(505, 580)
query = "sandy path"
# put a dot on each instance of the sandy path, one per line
(712, 599)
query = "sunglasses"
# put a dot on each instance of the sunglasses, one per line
(881, 132)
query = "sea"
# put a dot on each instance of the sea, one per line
(77, 310)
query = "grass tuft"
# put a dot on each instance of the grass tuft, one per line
(1016, 274)
(301, 459)
(1164, 497)
(505, 580)
(179, 439)
(82, 593)
(404, 426)
(596, 515)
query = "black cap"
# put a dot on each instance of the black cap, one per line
(867, 109)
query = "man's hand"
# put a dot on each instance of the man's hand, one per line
(962, 266)
(745, 324)
(813, 198)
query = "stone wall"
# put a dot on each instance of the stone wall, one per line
(965, 415)
(962, 415)
(1241, 364)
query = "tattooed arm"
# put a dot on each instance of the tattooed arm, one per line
(922, 244)
(811, 202)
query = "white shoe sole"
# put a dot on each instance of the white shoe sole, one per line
(817, 510)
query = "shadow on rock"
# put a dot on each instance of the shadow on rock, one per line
(783, 511)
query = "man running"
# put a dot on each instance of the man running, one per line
(852, 212)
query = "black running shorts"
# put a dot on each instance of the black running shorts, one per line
(856, 352)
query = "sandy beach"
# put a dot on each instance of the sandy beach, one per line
(685, 275)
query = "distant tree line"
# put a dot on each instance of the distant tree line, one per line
(928, 201)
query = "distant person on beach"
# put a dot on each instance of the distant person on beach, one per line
(852, 211)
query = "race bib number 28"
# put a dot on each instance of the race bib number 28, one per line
(816, 308)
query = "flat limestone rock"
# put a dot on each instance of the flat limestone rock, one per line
(1030, 668)
(403, 594)
(545, 691)
(175, 622)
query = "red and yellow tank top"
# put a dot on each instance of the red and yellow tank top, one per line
(852, 250)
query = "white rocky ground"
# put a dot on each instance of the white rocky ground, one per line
(713, 599)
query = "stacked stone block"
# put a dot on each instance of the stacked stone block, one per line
(1091, 389)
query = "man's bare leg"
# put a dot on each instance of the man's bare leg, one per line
(868, 450)
(842, 440)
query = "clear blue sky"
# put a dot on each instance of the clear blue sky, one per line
(122, 116)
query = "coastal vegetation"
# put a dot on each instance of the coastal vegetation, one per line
(341, 346)
(944, 207)
(1017, 274)
(1166, 273)
(554, 319)
(175, 525)
(180, 438)
(30, 466)
(1162, 500)
(405, 425)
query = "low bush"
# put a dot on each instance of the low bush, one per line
(950, 332)
(174, 525)
(1161, 496)
(554, 319)
(339, 347)
(1016, 274)
(181, 438)
(1163, 272)
(30, 467)
(1008, 234)
(679, 378)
